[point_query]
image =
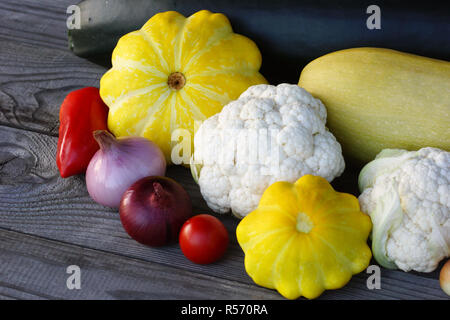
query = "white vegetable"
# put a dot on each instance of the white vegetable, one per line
(271, 133)
(407, 195)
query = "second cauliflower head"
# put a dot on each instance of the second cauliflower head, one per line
(406, 194)
(271, 133)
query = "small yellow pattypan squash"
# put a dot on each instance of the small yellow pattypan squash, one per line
(176, 70)
(304, 238)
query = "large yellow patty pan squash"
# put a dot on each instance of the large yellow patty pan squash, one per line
(304, 237)
(174, 71)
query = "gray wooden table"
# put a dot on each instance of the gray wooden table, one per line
(48, 223)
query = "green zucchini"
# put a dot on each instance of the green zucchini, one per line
(289, 31)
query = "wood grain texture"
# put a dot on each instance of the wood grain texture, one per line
(36, 201)
(39, 23)
(35, 268)
(33, 84)
(47, 222)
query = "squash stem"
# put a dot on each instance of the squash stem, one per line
(176, 81)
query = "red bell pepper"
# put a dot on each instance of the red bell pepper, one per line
(81, 113)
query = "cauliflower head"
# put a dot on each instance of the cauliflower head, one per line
(271, 133)
(407, 195)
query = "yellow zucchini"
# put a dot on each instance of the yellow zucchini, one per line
(380, 98)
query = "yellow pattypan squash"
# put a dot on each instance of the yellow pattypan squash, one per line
(304, 238)
(174, 71)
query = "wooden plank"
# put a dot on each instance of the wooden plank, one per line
(33, 84)
(40, 23)
(35, 268)
(36, 201)
(36, 72)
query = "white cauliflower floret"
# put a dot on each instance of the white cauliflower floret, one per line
(271, 133)
(406, 194)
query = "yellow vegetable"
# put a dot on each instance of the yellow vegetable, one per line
(176, 70)
(304, 238)
(380, 98)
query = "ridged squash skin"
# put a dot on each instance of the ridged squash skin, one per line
(380, 98)
(174, 71)
(304, 238)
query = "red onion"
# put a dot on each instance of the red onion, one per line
(118, 164)
(154, 209)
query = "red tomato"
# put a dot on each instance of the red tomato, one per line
(203, 239)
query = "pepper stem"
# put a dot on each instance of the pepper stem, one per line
(104, 139)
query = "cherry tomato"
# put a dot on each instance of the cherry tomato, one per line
(203, 239)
